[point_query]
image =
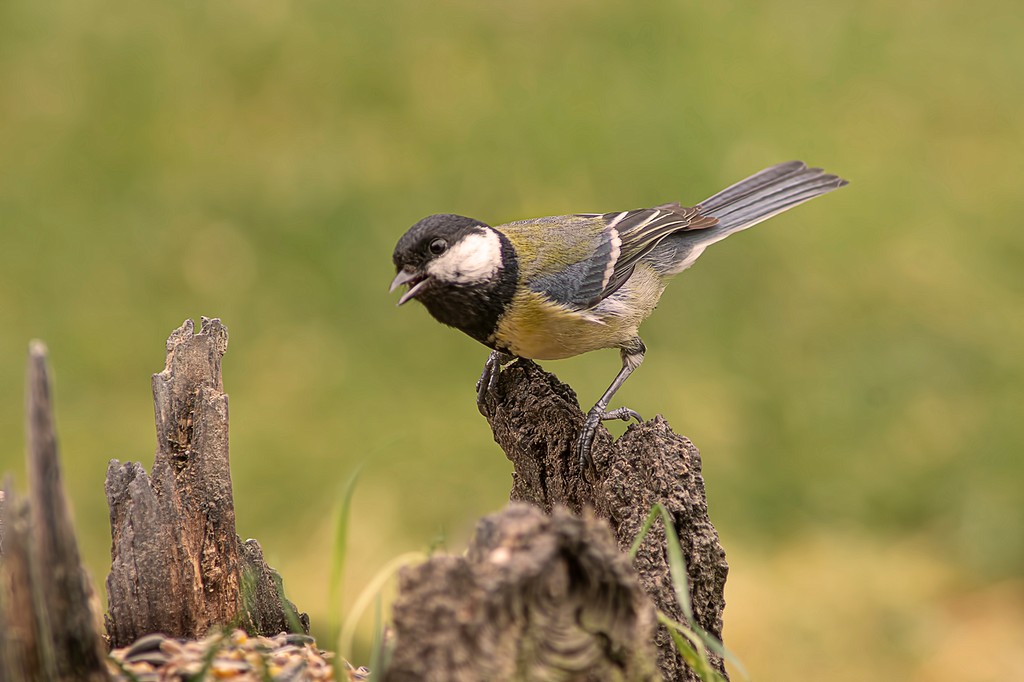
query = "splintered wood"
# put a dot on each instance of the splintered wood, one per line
(47, 608)
(177, 565)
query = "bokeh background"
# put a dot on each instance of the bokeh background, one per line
(853, 372)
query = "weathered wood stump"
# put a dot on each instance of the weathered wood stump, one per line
(535, 420)
(536, 598)
(47, 613)
(177, 565)
(546, 591)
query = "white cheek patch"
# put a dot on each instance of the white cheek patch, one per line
(474, 258)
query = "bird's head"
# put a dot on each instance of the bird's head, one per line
(445, 252)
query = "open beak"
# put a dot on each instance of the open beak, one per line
(416, 281)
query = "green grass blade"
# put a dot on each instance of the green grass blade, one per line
(713, 643)
(643, 531)
(339, 552)
(691, 640)
(372, 589)
(689, 647)
(377, 653)
(677, 566)
(685, 650)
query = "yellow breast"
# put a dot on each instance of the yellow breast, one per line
(540, 329)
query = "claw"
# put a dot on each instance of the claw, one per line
(632, 355)
(623, 413)
(589, 430)
(488, 381)
(583, 445)
(483, 384)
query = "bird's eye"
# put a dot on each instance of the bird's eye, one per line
(438, 246)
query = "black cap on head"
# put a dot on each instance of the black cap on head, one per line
(414, 246)
(473, 305)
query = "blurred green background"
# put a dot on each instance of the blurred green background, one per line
(852, 371)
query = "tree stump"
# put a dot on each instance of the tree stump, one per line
(535, 420)
(177, 565)
(536, 598)
(47, 613)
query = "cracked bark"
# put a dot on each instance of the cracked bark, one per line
(536, 597)
(535, 420)
(48, 615)
(177, 565)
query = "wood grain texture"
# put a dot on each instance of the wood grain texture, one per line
(547, 590)
(537, 597)
(535, 420)
(178, 566)
(48, 612)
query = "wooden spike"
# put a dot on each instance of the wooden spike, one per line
(177, 564)
(65, 621)
(21, 657)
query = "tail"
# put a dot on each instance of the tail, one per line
(745, 204)
(762, 196)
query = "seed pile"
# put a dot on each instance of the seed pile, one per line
(231, 656)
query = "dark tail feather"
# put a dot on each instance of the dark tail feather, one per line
(762, 196)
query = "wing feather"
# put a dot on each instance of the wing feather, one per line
(627, 237)
(594, 254)
(639, 232)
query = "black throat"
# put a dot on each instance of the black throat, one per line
(475, 308)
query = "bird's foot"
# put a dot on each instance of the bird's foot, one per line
(489, 378)
(623, 413)
(589, 431)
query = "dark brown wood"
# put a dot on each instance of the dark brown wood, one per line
(21, 650)
(46, 600)
(537, 597)
(177, 565)
(555, 596)
(535, 419)
(67, 593)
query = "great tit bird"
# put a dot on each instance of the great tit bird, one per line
(555, 287)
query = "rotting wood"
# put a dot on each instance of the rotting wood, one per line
(554, 597)
(177, 559)
(537, 597)
(66, 586)
(536, 418)
(178, 566)
(46, 601)
(21, 651)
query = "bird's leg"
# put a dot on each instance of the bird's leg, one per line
(489, 379)
(632, 355)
